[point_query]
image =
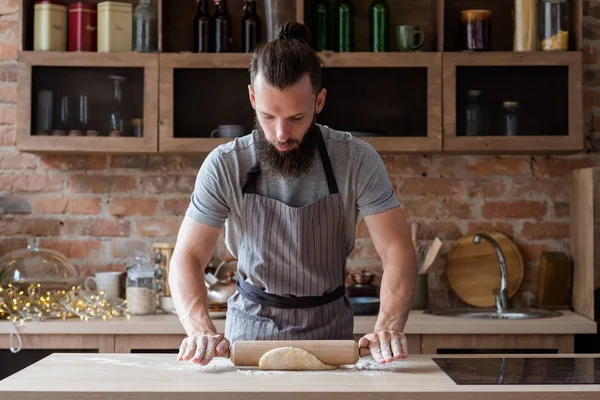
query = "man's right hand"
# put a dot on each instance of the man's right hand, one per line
(202, 347)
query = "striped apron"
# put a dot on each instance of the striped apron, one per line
(292, 266)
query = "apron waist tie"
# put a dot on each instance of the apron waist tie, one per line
(259, 296)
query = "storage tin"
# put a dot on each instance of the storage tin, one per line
(50, 26)
(83, 26)
(115, 26)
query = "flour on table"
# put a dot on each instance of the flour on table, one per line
(292, 359)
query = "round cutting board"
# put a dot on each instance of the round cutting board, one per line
(473, 270)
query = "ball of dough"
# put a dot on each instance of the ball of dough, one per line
(292, 359)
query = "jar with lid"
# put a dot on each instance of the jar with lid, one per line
(475, 118)
(141, 288)
(476, 30)
(50, 26)
(115, 26)
(510, 120)
(553, 25)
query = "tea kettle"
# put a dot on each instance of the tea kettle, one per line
(219, 291)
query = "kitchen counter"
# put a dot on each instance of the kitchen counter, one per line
(160, 376)
(418, 323)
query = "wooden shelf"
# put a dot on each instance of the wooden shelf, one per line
(547, 84)
(87, 59)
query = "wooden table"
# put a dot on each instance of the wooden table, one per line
(161, 376)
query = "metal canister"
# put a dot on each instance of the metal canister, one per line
(83, 26)
(115, 26)
(50, 26)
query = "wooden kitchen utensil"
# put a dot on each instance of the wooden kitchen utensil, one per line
(473, 269)
(432, 254)
(419, 250)
(332, 352)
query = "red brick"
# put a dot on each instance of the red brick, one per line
(447, 166)
(589, 99)
(101, 184)
(14, 205)
(31, 183)
(8, 93)
(362, 232)
(75, 248)
(74, 163)
(364, 249)
(419, 209)
(159, 227)
(30, 226)
(11, 244)
(96, 227)
(555, 167)
(8, 51)
(9, 7)
(534, 188)
(502, 227)
(450, 208)
(176, 206)
(68, 205)
(8, 135)
(15, 160)
(122, 248)
(545, 230)
(168, 184)
(486, 188)
(500, 166)
(406, 165)
(532, 252)
(590, 55)
(514, 209)
(8, 113)
(445, 230)
(8, 71)
(428, 187)
(132, 206)
(164, 164)
(561, 209)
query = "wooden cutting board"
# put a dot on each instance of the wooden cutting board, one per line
(473, 270)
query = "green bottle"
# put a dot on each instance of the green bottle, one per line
(379, 26)
(321, 25)
(343, 14)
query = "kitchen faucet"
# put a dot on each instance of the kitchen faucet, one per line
(502, 294)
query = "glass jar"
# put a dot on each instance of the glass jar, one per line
(140, 288)
(116, 118)
(510, 119)
(476, 30)
(145, 36)
(524, 37)
(474, 115)
(553, 25)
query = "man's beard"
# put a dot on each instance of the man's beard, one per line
(286, 164)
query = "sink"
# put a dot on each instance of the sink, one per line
(492, 313)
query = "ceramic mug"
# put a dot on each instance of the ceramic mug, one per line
(108, 282)
(406, 37)
(228, 131)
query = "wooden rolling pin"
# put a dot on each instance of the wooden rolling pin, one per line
(332, 352)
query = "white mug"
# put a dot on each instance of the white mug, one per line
(108, 282)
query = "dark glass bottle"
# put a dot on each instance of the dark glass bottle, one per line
(202, 28)
(379, 26)
(222, 27)
(321, 25)
(250, 27)
(343, 14)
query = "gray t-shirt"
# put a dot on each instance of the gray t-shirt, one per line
(362, 180)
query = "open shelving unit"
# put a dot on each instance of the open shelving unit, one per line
(400, 102)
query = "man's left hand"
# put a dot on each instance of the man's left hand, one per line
(386, 346)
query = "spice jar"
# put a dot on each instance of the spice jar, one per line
(140, 288)
(475, 116)
(524, 38)
(83, 20)
(510, 120)
(115, 26)
(50, 26)
(553, 25)
(476, 30)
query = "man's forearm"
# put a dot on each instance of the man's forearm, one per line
(397, 288)
(189, 294)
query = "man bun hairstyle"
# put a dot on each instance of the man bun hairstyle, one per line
(285, 60)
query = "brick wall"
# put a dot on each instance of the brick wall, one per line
(98, 210)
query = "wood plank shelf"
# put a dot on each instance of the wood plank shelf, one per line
(400, 102)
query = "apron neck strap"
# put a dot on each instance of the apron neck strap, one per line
(251, 177)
